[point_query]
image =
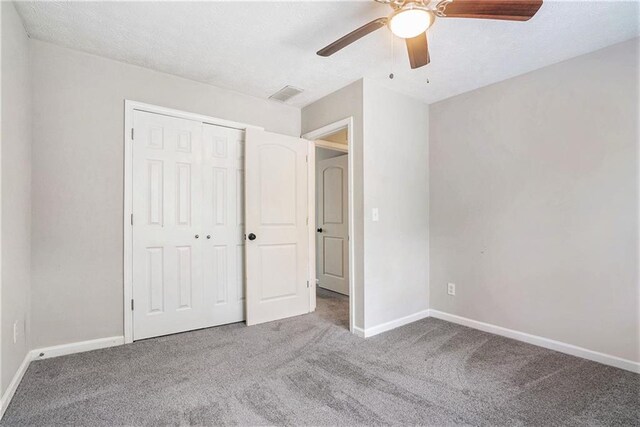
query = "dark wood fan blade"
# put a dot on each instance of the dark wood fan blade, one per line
(508, 10)
(418, 51)
(352, 37)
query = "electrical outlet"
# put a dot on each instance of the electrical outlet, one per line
(451, 289)
(15, 332)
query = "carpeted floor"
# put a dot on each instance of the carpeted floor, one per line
(309, 370)
(332, 307)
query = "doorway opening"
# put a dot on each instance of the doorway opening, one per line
(333, 214)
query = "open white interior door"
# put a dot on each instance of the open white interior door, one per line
(276, 209)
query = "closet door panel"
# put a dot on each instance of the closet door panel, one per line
(223, 183)
(168, 288)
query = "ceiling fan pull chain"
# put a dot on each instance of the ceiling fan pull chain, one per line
(392, 55)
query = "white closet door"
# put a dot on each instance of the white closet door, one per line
(333, 224)
(223, 222)
(276, 225)
(167, 257)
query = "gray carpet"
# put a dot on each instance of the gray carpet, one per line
(310, 370)
(332, 307)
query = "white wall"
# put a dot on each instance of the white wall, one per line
(78, 115)
(534, 202)
(343, 103)
(16, 183)
(396, 159)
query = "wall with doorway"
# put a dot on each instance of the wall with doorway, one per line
(343, 103)
(391, 173)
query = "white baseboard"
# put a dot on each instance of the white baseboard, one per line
(49, 352)
(358, 331)
(13, 385)
(75, 347)
(79, 347)
(573, 350)
(384, 327)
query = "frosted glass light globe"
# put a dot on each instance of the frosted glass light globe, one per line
(410, 22)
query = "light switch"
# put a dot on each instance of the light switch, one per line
(375, 216)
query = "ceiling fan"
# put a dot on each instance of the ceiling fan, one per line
(411, 19)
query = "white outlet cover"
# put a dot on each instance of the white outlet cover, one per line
(451, 289)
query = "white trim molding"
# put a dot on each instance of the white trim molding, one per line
(311, 225)
(346, 123)
(314, 136)
(358, 332)
(393, 324)
(75, 347)
(573, 350)
(15, 382)
(49, 352)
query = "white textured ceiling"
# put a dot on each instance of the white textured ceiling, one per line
(258, 47)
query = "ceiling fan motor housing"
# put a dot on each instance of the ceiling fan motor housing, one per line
(432, 5)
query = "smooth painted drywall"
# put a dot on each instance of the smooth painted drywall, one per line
(341, 104)
(78, 116)
(396, 248)
(534, 202)
(16, 191)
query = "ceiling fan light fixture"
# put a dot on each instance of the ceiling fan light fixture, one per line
(410, 21)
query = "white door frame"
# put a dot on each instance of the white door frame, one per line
(314, 136)
(129, 108)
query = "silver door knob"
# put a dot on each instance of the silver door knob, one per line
(197, 236)
(208, 236)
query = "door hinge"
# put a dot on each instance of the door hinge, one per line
(131, 305)
(132, 133)
(306, 159)
(131, 219)
(307, 283)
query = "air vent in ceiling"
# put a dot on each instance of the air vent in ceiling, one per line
(285, 94)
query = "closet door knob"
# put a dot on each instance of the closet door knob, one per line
(252, 236)
(208, 236)
(197, 236)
